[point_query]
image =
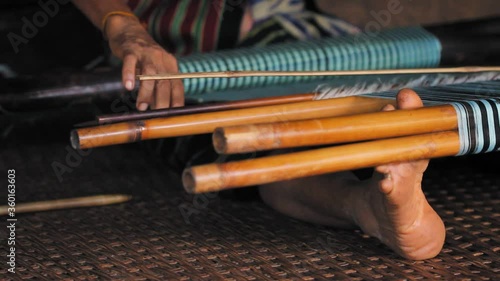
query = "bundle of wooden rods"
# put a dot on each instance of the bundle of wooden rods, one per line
(400, 135)
(397, 136)
(217, 177)
(202, 123)
(343, 129)
(206, 118)
(373, 137)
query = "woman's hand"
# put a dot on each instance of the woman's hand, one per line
(130, 42)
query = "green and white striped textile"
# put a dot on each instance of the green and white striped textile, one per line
(477, 106)
(409, 47)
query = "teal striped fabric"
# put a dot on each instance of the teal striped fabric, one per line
(408, 47)
(477, 106)
(478, 125)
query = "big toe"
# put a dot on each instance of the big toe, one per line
(408, 99)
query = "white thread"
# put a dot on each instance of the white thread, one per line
(324, 91)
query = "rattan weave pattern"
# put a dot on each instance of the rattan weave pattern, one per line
(149, 238)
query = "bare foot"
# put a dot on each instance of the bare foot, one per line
(391, 206)
(397, 212)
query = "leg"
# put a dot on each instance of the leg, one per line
(390, 206)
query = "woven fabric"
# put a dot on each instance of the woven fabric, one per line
(445, 94)
(478, 125)
(395, 48)
(165, 234)
(184, 26)
(295, 27)
(477, 106)
(295, 19)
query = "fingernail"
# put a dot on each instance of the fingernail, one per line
(143, 106)
(129, 85)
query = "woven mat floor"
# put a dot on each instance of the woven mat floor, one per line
(165, 234)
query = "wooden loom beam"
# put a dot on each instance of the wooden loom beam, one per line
(207, 122)
(343, 129)
(216, 177)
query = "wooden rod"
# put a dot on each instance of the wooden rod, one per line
(216, 177)
(211, 107)
(207, 122)
(238, 74)
(89, 201)
(343, 129)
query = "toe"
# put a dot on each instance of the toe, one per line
(388, 107)
(408, 99)
(386, 185)
(383, 169)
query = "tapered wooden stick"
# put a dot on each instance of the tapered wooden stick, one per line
(216, 177)
(207, 122)
(379, 125)
(239, 74)
(89, 201)
(211, 107)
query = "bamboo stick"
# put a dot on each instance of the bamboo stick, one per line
(216, 177)
(207, 122)
(379, 125)
(89, 201)
(239, 74)
(114, 118)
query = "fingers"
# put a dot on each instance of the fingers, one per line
(169, 92)
(177, 93)
(144, 98)
(141, 54)
(162, 94)
(172, 95)
(128, 71)
(154, 94)
(146, 90)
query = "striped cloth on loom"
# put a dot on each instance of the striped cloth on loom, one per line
(407, 47)
(478, 111)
